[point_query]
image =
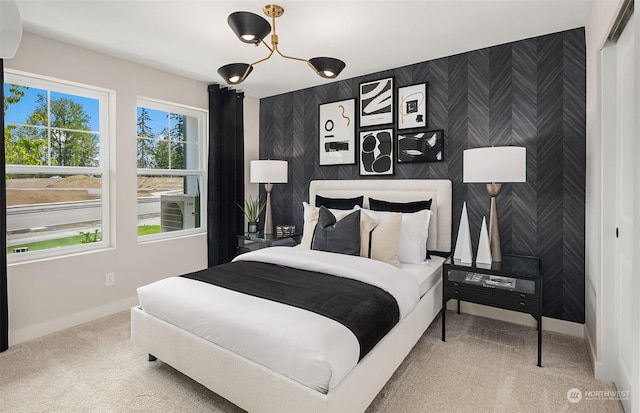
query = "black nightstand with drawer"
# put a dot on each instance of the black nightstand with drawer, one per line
(514, 284)
(254, 241)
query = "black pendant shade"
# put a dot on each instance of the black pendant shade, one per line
(233, 73)
(249, 27)
(327, 67)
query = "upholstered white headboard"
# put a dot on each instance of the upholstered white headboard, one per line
(398, 190)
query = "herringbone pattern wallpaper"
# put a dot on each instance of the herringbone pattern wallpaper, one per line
(528, 93)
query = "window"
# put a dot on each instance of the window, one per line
(171, 177)
(56, 151)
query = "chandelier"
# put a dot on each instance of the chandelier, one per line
(253, 29)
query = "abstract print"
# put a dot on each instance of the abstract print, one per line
(376, 152)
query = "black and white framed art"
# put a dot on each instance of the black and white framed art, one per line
(412, 106)
(376, 102)
(337, 132)
(421, 146)
(376, 152)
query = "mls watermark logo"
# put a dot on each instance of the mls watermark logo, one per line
(574, 395)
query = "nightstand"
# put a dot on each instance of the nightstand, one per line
(514, 284)
(255, 241)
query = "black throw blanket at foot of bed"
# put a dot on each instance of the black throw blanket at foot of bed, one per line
(368, 311)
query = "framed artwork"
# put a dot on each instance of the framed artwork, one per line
(412, 106)
(376, 152)
(424, 146)
(376, 102)
(337, 132)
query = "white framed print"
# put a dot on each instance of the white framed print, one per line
(412, 106)
(376, 152)
(376, 102)
(337, 132)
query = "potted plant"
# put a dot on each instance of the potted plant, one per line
(252, 210)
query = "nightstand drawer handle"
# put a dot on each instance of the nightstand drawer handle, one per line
(456, 292)
(456, 284)
(522, 303)
(522, 296)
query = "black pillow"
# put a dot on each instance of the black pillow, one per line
(342, 236)
(406, 207)
(339, 203)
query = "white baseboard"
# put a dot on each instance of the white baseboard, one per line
(548, 324)
(71, 320)
(595, 364)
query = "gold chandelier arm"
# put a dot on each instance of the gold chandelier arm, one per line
(264, 58)
(291, 57)
(274, 37)
(248, 69)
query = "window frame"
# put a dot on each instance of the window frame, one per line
(105, 98)
(202, 118)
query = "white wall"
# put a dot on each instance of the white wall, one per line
(599, 230)
(54, 294)
(251, 141)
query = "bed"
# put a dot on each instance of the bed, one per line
(257, 388)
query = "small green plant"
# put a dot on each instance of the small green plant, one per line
(89, 237)
(252, 208)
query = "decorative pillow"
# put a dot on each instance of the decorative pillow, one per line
(414, 231)
(339, 203)
(408, 207)
(342, 237)
(379, 239)
(311, 219)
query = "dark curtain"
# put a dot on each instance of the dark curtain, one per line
(225, 174)
(4, 304)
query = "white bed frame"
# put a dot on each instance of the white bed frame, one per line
(256, 388)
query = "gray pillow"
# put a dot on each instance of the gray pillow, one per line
(342, 237)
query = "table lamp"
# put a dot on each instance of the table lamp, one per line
(494, 166)
(268, 172)
(10, 28)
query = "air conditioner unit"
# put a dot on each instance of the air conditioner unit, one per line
(177, 212)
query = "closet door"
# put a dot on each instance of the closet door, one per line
(627, 270)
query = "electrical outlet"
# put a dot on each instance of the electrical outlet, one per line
(110, 279)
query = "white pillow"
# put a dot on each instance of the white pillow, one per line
(414, 231)
(379, 239)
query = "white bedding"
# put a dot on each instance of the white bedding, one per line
(309, 348)
(427, 273)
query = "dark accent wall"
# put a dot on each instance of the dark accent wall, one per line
(528, 93)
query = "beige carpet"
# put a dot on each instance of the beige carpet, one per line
(485, 366)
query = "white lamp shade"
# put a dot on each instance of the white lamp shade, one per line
(495, 164)
(10, 28)
(269, 172)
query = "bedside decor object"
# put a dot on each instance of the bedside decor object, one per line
(427, 146)
(376, 102)
(494, 166)
(376, 152)
(268, 172)
(285, 231)
(252, 210)
(462, 251)
(483, 255)
(253, 29)
(412, 106)
(337, 133)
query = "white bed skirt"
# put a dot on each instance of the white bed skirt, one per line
(258, 389)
